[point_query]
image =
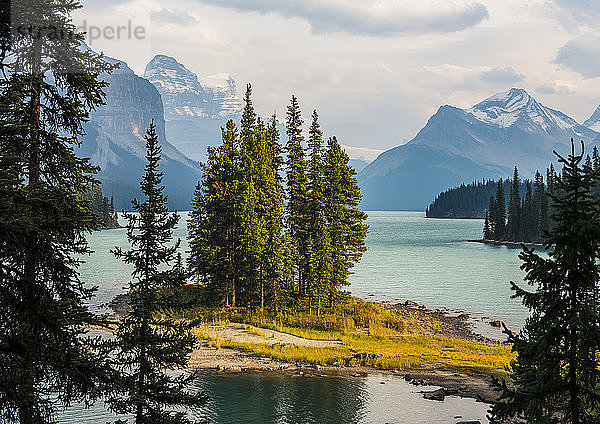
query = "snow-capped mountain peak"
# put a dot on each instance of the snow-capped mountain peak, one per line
(593, 122)
(170, 76)
(186, 97)
(517, 106)
(223, 89)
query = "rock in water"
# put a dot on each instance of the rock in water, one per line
(439, 395)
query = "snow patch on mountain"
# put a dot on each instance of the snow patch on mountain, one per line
(223, 89)
(593, 122)
(186, 96)
(516, 106)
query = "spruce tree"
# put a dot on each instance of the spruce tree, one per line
(551, 180)
(486, 227)
(500, 221)
(296, 169)
(147, 342)
(556, 375)
(48, 87)
(493, 219)
(527, 217)
(540, 206)
(318, 261)
(215, 225)
(345, 221)
(274, 254)
(252, 237)
(513, 224)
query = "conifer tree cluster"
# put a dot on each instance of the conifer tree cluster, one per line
(520, 217)
(465, 201)
(556, 375)
(269, 230)
(102, 207)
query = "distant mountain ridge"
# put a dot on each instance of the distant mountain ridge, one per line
(195, 109)
(115, 142)
(186, 96)
(593, 122)
(461, 145)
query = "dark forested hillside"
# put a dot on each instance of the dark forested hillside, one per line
(102, 207)
(465, 201)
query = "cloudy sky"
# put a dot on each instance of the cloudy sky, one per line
(375, 69)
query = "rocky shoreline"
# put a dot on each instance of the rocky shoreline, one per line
(215, 359)
(506, 243)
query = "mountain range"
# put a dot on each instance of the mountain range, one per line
(114, 141)
(195, 109)
(462, 145)
(455, 146)
(188, 112)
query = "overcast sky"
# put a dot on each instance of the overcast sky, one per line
(376, 70)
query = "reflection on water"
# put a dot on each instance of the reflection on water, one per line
(335, 399)
(409, 257)
(255, 398)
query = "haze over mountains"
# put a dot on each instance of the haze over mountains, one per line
(188, 112)
(455, 146)
(461, 145)
(195, 110)
(115, 142)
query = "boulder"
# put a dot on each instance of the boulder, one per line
(439, 395)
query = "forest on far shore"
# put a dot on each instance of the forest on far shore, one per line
(524, 212)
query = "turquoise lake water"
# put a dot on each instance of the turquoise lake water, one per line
(430, 262)
(255, 398)
(408, 257)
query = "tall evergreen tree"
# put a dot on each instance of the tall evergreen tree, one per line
(252, 202)
(493, 219)
(274, 254)
(318, 261)
(528, 224)
(146, 342)
(551, 180)
(540, 206)
(556, 374)
(215, 223)
(48, 87)
(345, 221)
(487, 233)
(296, 170)
(513, 224)
(500, 215)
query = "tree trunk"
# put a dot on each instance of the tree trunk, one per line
(26, 413)
(26, 408)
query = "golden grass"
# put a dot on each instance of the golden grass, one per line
(395, 340)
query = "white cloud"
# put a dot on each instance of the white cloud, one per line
(582, 54)
(374, 92)
(370, 17)
(173, 17)
(506, 75)
(576, 13)
(474, 77)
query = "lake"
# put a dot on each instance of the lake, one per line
(255, 398)
(408, 257)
